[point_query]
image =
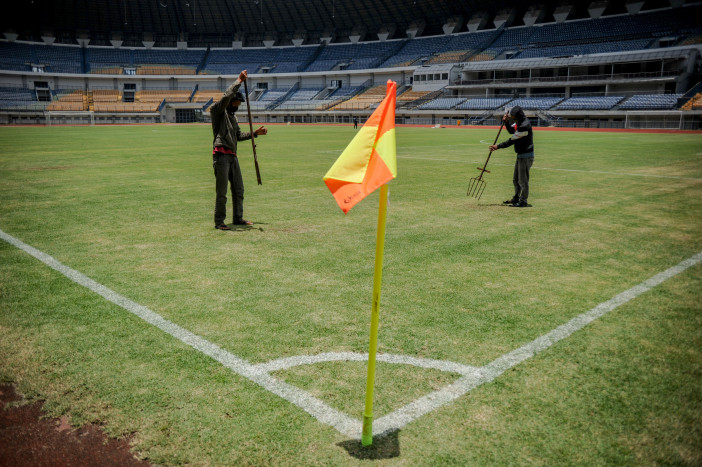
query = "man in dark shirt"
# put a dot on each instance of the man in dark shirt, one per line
(226, 132)
(519, 126)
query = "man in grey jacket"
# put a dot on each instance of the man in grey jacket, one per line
(226, 132)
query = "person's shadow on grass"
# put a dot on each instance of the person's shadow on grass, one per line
(239, 227)
(385, 446)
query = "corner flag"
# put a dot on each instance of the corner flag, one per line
(369, 160)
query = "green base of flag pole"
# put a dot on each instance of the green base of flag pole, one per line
(367, 433)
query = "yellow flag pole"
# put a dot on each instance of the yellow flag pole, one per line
(367, 433)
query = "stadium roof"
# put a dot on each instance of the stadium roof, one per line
(277, 20)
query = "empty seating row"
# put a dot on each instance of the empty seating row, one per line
(584, 49)
(158, 96)
(356, 56)
(589, 103)
(20, 99)
(442, 103)
(277, 60)
(416, 49)
(130, 107)
(17, 94)
(364, 100)
(695, 103)
(536, 103)
(651, 102)
(303, 99)
(484, 103)
(204, 95)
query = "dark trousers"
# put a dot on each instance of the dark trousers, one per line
(227, 171)
(521, 178)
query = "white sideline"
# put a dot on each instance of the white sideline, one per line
(498, 366)
(471, 377)
(315, 407)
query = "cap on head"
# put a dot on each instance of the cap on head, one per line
(239, 96)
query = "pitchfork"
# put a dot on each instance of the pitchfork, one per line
(476, 186)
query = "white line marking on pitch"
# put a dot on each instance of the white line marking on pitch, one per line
(471, 377)
(315, 407)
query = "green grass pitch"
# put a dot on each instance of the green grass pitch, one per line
(464, 281)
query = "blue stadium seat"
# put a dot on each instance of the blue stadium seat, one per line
(590, 103)
(651, 102)
(18, 99)
(487, 103)
(536, 103)
(442, 103)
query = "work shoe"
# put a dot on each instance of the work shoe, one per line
(521, 204)
(242, 222)
(511, 201)
(222, 227)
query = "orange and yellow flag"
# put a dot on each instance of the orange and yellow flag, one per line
(369, 160)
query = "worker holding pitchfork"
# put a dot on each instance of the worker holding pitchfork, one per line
(519, 126)
(226, 133)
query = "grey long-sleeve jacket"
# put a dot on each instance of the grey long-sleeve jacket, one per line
(225, 126)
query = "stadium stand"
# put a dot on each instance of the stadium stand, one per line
(20, 99)
(442, 103)
(651, 102)
(124, 107)
(693, 104)
(68, 101)
(622, 27)
(584, 49)
(108, 60)
(346, 92)
(410, 96)
(157, 96)
(647, 70)
(353, 56)
(60, 59)
(269, 98)
(363, 100)
(536, 103)
(507, 40)
(693, 39)
(184, 58)
(487, 103)
(17, 56)
(279, 60)
(103, 96)
(590, 103)
(204, 95)
(413, 51)
(462, 46)
(304, 99)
